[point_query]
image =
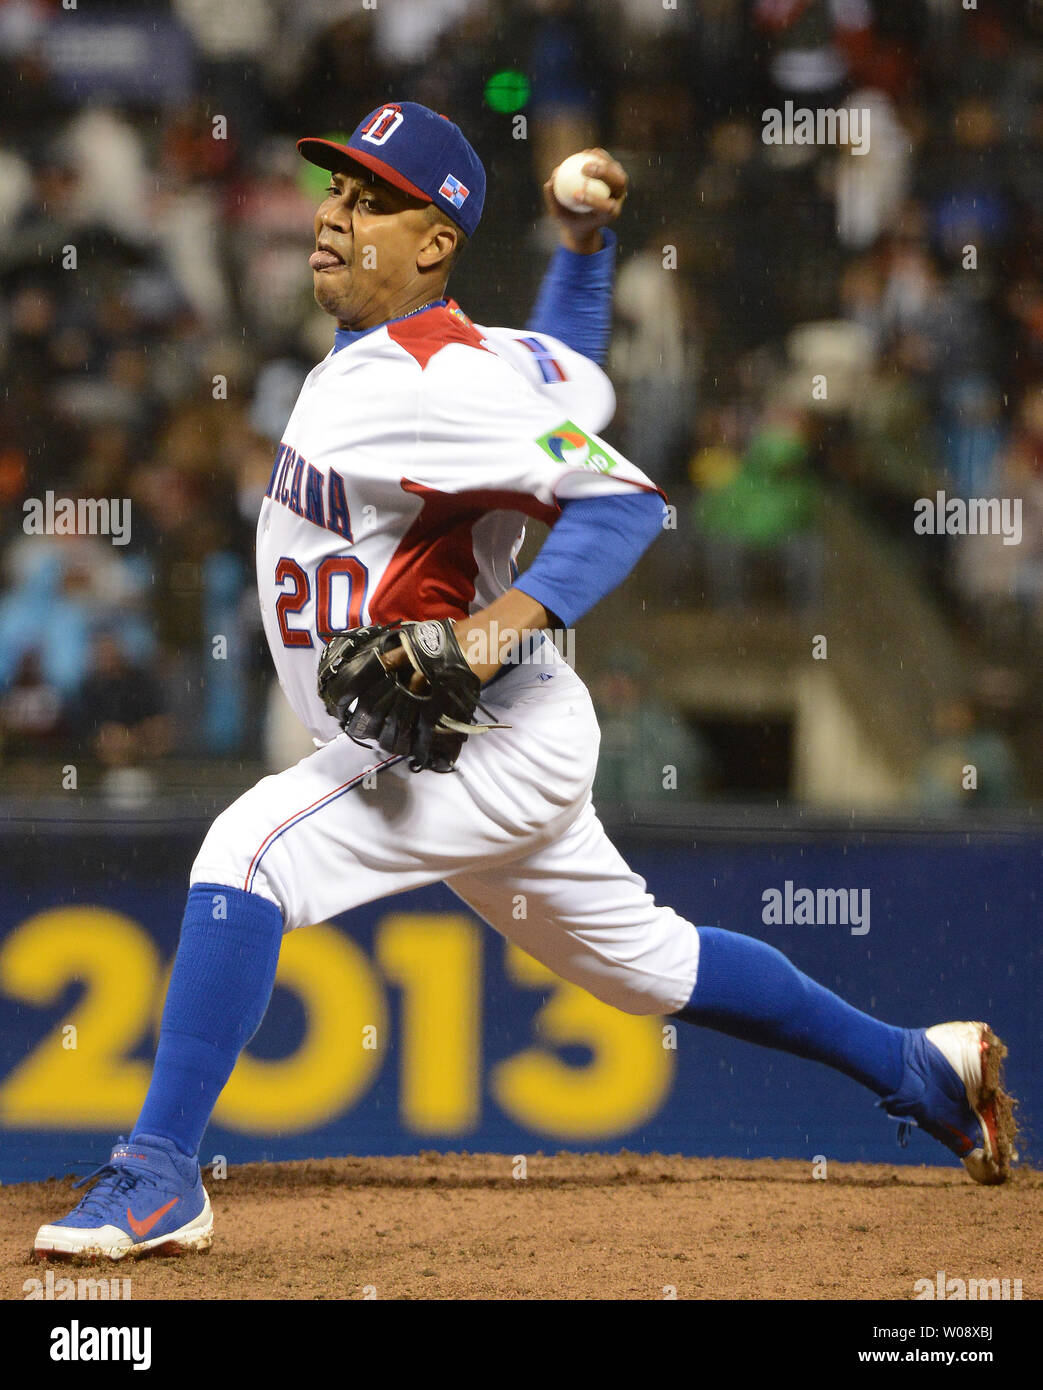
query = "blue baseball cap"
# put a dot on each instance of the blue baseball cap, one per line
(417, 150)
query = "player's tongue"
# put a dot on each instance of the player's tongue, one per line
(323, 260)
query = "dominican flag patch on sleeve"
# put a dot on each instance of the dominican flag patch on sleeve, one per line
(454, 191)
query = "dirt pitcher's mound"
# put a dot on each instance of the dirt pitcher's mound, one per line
(574, 1226)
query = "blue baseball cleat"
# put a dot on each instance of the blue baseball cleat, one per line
(952, 1089)
(149, 1200)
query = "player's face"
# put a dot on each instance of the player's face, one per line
(368, 236)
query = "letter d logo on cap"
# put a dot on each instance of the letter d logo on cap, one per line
(380, 127)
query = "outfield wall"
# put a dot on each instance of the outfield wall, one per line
(409, 1025)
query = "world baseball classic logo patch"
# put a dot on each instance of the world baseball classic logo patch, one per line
(454, 191)
(569, 445)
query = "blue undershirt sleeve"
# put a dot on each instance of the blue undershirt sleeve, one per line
(575, 299)
(591, 549)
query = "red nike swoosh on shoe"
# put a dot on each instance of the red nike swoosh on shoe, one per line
(141, 1228)
(967, 1140)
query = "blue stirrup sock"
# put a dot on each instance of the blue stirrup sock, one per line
(222, 981)
(749, 990)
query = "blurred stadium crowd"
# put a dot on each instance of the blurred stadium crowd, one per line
(159, 360)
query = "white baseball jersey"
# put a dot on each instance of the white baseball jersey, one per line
(410, 462)
(406, 472)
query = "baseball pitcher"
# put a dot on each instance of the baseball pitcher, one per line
(452, 741)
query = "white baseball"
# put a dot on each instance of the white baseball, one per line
(572, 186)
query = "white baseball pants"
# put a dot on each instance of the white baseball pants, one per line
(347, 826)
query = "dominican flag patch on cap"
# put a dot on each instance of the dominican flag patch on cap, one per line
(454, 191)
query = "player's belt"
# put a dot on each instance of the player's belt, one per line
(533, 644)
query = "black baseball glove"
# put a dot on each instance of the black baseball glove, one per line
(420, 706)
